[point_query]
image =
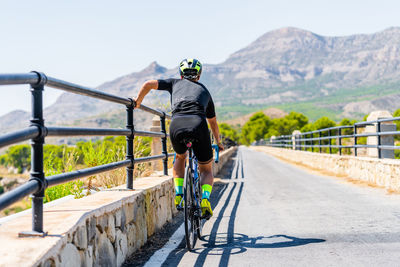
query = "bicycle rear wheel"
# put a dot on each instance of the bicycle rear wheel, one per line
(190, 235)
(199, 221)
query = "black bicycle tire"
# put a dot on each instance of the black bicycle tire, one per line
(190, 235)
(199, 220)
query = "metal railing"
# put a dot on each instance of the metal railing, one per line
(37, 131)
(316, 141)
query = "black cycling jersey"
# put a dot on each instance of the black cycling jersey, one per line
(188, 97)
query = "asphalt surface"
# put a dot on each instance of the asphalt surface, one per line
(270, 213)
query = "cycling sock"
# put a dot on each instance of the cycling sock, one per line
(178, 186)
(206, 190)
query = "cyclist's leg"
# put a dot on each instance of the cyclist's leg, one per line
(178, 173)
(203, 151)
(207, 180)
(179, 164)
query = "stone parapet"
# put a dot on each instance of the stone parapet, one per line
(381, 172)
(99, 230)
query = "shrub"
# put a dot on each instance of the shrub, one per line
(71, 188)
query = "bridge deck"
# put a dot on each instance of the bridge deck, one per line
(270, 213)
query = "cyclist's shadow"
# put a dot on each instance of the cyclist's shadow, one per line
(240, 242)
(230, 243)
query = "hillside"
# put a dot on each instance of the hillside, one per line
(289, 68)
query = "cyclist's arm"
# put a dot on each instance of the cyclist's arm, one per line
(146, 87)
(215, 130)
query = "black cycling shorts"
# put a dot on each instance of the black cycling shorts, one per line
(191, 127)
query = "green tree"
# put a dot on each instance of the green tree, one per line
(397, 137)
(256, 128)
(345, 122)
(227, 131)
(323, 122)
(301, 120)
(309, 127)
(287, 124)
(19, 156)
(397, 114)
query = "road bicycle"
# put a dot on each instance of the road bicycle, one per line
(192, 197)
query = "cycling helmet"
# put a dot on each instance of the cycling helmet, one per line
(190, 68)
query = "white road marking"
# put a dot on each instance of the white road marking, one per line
(161, 255)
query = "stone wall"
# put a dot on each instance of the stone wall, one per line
(102, 229)
(381, 172)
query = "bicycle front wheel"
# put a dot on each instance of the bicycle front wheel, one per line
(190, 235)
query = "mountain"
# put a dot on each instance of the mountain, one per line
(289, 68)
(291, 64)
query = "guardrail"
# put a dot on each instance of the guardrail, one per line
(37, 131)
(316, 140)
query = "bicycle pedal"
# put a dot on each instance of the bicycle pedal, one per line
(206, 216)
(179, 208)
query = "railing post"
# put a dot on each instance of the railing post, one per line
(312, 142)
(319, 141)
(156, 145)
(164, 144)
(330, 142)
(37, 158)
(340, 140)
(378, 131)
(129, 146)
(377, 141)
(272, 140)
(355, 139)
(305, 142)
(295, 140)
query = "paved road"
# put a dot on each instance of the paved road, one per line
(269, 213)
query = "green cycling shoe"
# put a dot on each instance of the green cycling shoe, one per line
(179, 202)
(206, 211)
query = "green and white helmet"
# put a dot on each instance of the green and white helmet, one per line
(190, 68)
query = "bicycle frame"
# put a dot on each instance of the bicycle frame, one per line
(194, 165)
(192, 199)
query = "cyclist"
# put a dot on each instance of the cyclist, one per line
(192, 107)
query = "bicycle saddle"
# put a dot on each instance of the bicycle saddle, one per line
(189, 141)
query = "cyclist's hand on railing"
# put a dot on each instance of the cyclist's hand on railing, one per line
(137, 102)
(220, 146)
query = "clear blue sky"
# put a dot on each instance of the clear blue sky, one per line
(90, 42)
